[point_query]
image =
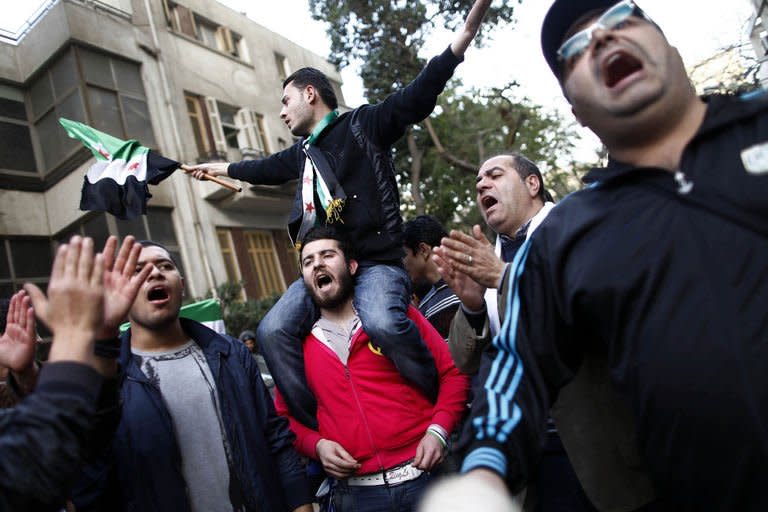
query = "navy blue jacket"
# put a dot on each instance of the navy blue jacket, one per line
(666, 277)
(143, 469)
(358, 148)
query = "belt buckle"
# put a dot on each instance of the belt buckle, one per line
(404, 473)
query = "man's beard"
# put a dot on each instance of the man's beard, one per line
(344, 291)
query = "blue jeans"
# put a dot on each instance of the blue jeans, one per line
(379, 498)
(381, 300)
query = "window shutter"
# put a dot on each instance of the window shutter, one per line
(224, 40)
(219, 141)
(242, 50)
(185, 21)
(247, 134)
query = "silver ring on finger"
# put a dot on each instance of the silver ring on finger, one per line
(469, 259)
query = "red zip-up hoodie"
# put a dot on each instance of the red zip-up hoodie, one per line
(368, 408)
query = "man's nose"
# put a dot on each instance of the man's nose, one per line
(600, 37)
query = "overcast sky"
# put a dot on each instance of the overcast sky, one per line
(697, 27)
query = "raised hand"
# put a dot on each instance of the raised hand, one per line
(121, 282)
(73, 309)
(474, 256)
(17, 343)
(471, 25)
(466, 289)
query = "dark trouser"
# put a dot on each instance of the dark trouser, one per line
(379, 498)
(381, 300)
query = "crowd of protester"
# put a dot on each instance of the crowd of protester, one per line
(601, 354)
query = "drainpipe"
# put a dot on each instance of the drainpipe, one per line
(177, 142)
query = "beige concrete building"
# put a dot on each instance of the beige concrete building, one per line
(759, 38)
(192, 79)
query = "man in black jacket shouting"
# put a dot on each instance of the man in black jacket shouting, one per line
(650, 284)
(347, 177)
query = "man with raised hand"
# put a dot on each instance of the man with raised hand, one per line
(347, 178)
(45, 438)
(651, 281)
(198, 430)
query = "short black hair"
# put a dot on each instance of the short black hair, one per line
(525, 167)
(317, 79)
(424, 228)
(327, 232)
(150, 243)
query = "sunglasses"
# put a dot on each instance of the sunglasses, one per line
(612, 19)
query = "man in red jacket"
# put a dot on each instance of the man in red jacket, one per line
(378, 436)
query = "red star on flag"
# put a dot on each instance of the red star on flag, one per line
(309, 207)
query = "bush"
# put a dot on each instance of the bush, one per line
(241, 315)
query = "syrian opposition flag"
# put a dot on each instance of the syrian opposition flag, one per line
(117, 182)
(207, 312)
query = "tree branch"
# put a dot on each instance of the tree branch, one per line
(450, 158)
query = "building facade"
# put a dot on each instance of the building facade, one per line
(192, 79)
(759, 38)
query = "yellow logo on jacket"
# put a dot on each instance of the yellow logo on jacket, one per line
(375, 349)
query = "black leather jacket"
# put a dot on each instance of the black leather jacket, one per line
(357, 150)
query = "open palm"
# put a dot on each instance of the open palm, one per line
(121, 281)
(17, 344)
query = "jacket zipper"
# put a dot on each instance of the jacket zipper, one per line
(362, 413)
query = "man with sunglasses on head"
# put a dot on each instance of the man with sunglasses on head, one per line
(645, 292)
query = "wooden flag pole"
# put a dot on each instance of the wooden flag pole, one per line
(215, 179)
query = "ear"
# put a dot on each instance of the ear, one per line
(352, 266)
(183, 288)
(425, 250)
(533, 184)
(310, 94)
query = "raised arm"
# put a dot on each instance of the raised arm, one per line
(275, 169)
(17, 343)
(47, 432)
(471, 25)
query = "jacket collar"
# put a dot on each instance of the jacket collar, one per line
(721, 110)
(207, 339)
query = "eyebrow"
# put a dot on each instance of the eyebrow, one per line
(155, 262)
(321, 252)
(489, 171)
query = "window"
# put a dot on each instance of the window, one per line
(258, 259)
(115, 96)
(184, 21)
(100, 90)
(283, 69)
(156, 225)
(250, 132)
(225, 132)
(261, 251)
(16, 153)
(230, 258)
(24, 259)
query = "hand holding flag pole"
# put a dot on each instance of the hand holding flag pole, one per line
(187, 169)
(117, 182)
